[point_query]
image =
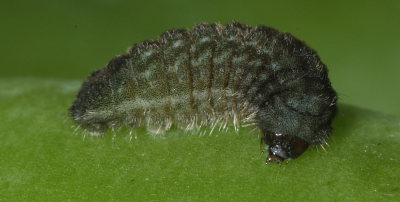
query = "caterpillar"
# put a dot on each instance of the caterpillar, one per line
(218, 76)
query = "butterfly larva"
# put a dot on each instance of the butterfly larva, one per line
(215, 75)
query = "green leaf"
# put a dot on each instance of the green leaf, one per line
(43, 159)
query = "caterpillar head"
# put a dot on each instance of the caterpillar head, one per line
(284, 147)
(293, 120)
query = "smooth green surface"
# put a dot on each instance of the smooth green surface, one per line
(42, 159)
(358, 39)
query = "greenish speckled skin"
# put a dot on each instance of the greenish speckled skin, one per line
(215, 75)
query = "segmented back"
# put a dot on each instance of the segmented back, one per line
(212, 75)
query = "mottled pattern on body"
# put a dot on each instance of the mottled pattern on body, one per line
(212, 75)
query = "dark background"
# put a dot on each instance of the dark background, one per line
(358, 40)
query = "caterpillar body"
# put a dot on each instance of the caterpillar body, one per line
(215, 75)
